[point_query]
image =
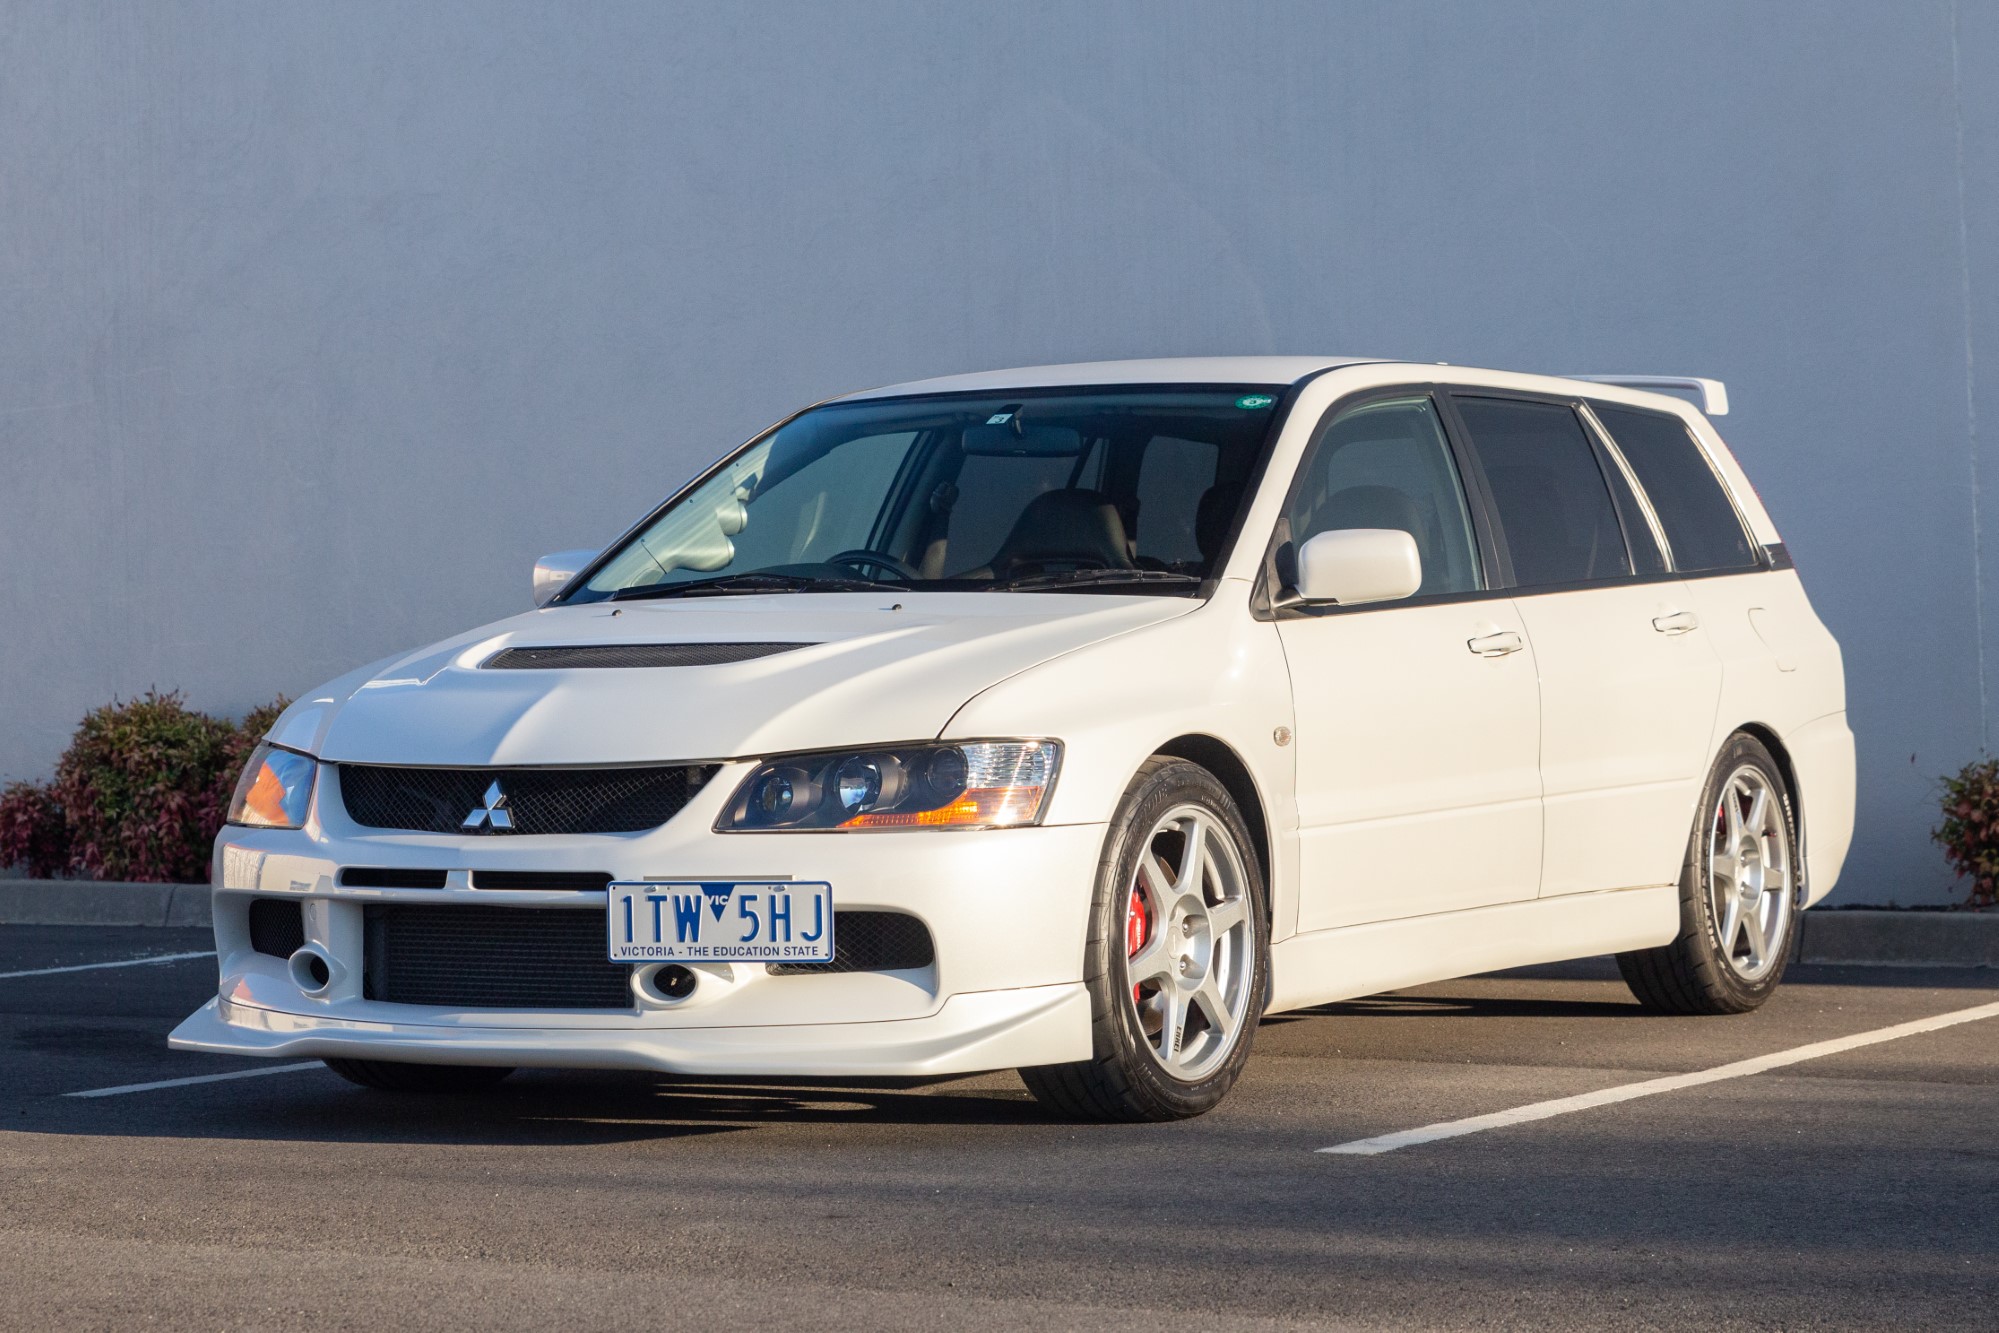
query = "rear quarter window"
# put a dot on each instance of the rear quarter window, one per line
(1701, 524)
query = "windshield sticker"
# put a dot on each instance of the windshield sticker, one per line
(1255, 400)
(999, 418)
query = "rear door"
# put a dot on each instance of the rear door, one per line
(1629, 682)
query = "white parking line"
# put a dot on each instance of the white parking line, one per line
(124, 962)
(1520, 1115)
(197, 1078)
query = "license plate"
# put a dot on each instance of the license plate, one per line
(721, 921)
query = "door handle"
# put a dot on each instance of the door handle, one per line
(1679, 622)
(1496, 645)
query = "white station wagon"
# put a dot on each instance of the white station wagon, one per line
(1065, 720)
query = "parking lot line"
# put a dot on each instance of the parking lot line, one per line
(198, 1078)
(123, 962)
(1451, 1129)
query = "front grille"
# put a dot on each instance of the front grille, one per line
(390, 877)
(491, 958)
(533, 800)
(597, 655)
(277, 926)
(870, 942)
(545, 881)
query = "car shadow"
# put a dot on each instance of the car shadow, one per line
(1466, 1006)
(547, 1108)
(1450, 999)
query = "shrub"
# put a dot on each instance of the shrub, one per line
(31, 830)
(1970, 829)
(139, 795)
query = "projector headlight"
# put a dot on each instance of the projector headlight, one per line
(275, 789)
(974, 784)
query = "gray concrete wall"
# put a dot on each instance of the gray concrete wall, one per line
(319, 322)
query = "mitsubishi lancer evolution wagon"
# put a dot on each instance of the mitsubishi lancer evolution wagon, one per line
(1066, 720)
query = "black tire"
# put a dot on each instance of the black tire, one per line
(395, 1076)
(1695, 974)
(1124, 1080)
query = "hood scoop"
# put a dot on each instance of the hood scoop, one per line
(590, 656)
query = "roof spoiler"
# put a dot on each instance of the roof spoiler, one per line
(1714, 394)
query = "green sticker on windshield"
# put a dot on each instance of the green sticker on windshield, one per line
(1255, 400)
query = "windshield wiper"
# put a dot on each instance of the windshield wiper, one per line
(1077, 578)
(747, 583)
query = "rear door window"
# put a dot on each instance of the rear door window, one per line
(1700, 520)
(1553, 504)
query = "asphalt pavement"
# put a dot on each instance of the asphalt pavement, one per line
(1856, 1189)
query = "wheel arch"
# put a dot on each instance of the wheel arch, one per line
(1220, 758)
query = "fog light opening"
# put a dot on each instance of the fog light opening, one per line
(311, 970)
(672, 983)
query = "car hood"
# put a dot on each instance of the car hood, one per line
(876, 667)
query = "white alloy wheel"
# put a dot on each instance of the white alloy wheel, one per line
(1175, 964)
(1751, 882)
(1189, 942)
(1742, 885)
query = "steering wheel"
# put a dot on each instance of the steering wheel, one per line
(863, 560)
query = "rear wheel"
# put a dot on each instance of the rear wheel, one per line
(1739, 892)
(1175, 963)
(394, 1076)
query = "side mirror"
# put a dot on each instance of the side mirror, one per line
(553, 572)
(1353, 566)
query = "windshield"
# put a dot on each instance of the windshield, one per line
(1108, 490)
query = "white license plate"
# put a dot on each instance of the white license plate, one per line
(721, 921)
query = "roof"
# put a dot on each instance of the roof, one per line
(1165, 370)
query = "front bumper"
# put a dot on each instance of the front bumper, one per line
(1007, 911)
(968, 1033)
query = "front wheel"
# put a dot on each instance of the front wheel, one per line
(1739, 892)
(1176, 961)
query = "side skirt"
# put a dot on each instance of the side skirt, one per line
(1326, 965)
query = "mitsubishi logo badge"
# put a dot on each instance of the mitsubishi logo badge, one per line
(493, 812)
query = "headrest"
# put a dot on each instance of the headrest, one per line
(1371, 507)
(1211, 519)
(1068, 527)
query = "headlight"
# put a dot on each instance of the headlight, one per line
(275, 789)
(978, 784)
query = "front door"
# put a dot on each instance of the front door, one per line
(1418, 726)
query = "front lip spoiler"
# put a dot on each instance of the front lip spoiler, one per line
(973, 1032)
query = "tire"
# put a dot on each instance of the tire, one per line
(1210, 950)
(1739, 894)
(394, 1076)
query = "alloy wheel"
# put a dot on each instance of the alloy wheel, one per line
(1189, 939)
(1751, 879)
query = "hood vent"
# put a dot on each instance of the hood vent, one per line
(599, 655)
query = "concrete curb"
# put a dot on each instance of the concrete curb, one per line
(1908, 939)
(84, 902)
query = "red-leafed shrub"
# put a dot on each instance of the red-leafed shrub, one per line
(139, 795)
(31, 830)
(1970, 829)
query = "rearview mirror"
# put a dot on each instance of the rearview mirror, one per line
(553, 572)
(1013, 440)
(1353, 566)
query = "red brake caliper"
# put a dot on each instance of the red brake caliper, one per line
(1137, 929)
